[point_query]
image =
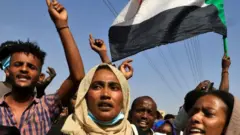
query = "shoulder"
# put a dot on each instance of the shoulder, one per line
(4, 89)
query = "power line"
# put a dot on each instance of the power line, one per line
(198, 46)
(169, 67)
(197, 54)
(113, 11)
(159, 74)
(192, 45)
(177, 65)
(110, 7)
(189, 59)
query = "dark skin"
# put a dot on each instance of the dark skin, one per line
(25, 69)
(24, 73)
(208, 116)
(104, 97)
(203, 86)
(144, 113)
(224, 85)
(100, 48)
(59, 16)
(44, 82)
(72, 103)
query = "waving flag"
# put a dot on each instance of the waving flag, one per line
(144, 24)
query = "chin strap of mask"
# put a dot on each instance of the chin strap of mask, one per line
(108, 123)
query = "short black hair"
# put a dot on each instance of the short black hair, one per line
(226, 97)
(169, 116)
(134, 103)
(139, 98)
(10, 47)
(191, 98)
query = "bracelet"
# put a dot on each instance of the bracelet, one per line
(225, 72)
(61, 28)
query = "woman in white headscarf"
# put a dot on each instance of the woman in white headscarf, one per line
(102, 104)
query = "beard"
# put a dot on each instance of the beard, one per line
(21, 89)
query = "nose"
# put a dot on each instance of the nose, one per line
(196, 118)
(24, 69)
(105, 94)
(144, 115)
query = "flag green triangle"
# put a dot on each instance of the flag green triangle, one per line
(220, 6)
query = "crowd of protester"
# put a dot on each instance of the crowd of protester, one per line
(98, 102)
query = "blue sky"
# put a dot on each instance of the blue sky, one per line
(29, 19)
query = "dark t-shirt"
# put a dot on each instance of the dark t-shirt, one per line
(56, 127)
(5, 130)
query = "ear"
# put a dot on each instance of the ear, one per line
(7, 72)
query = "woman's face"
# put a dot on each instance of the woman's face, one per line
(207, 117)
(104, 97)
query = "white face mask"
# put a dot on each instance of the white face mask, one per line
(109, 123)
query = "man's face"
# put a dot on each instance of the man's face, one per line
(144, 113)
(24, 70)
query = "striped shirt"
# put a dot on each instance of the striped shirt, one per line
(36, 119)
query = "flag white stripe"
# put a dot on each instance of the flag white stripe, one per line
(133, 13)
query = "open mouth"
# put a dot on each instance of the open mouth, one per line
(23, 77)
(196, 131)
(105, 106)
(143, 123)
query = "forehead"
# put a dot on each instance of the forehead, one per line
(210, 101)
(146, 103)
(25, 57)
(105, 75)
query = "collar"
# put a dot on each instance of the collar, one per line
(2, 99)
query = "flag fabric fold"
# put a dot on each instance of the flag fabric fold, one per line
(145, 24)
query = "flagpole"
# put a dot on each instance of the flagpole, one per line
(225, 45)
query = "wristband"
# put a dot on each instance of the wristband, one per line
(224, 71)
(61, 28)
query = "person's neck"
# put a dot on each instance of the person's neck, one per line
(149, 132)
(21, 95)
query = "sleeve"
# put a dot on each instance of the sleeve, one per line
(53, 105)
(181, 120)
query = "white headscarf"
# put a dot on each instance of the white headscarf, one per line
(80, 124)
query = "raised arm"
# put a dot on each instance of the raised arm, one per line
(100, 48)
(224, 85)
(44, 82)
(126, 68)
(59, 16)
